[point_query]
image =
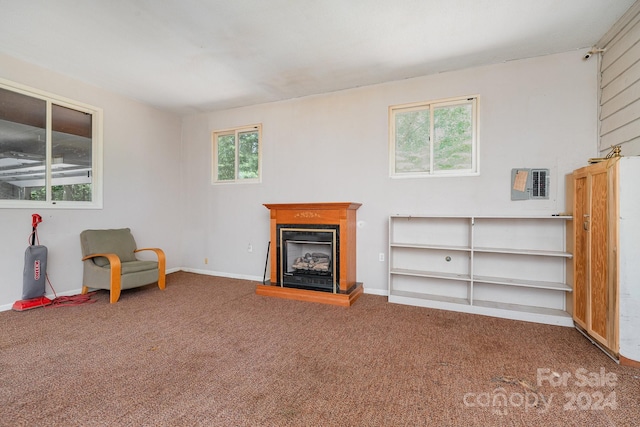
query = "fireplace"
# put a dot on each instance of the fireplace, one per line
(313, 253)
(308, 256)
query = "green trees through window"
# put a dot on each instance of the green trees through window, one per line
(226, 157)
(74, 192)
(434, 138)
(248, 155)
(237, 155)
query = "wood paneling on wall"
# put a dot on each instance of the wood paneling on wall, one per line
(620, 85)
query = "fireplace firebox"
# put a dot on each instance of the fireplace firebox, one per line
(313, 253)
(308, 256)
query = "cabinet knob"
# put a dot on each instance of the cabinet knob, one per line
(585, 225)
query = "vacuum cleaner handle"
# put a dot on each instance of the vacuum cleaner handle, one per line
(35, 220)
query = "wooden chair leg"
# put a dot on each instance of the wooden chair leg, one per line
(85, 289)
(162, 280)
(162, 267)
(116, 280)
(114, 294)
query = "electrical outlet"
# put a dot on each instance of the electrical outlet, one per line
(206, 260)
(381, 256)
(250, 248)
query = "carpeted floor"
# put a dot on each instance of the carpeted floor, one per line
(207, 351)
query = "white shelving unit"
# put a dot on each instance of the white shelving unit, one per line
(511, 267)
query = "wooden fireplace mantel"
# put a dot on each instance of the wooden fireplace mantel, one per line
(341, 214)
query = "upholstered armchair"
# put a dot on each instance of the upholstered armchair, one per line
(110, 262)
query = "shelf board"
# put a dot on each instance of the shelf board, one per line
(505, 281)
(523, 308)
(513, 251)
(429, 297)
(554, 286)
(525, 313)
(406, 216)
(435, 247)
(431, 274)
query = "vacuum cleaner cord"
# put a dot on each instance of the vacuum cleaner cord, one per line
(65, 300)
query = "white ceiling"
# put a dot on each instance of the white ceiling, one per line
(192, 56)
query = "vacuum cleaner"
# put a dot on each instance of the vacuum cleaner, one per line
(35, 273)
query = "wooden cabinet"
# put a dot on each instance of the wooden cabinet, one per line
(606, 229)
(594, 308)
(512, 267)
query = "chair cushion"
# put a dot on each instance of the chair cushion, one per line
(115, 241)
(135, 266)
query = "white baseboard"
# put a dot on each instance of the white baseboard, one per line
(382, 292)
(222, 274)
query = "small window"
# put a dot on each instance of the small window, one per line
(434, 138)
(236, 155)
(50, 150)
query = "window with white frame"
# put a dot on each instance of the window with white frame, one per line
(237, 155)
(50, 150)
(438, 138)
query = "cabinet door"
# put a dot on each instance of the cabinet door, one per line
(595, 257)
(598, 256)
(580, 261)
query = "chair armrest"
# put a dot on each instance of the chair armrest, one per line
(114, 260)
(116, 272)
(162, 259)
(162, 264)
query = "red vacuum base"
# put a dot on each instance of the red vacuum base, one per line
(26, 304)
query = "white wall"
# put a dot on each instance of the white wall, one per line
(540, 112)
(141, 186)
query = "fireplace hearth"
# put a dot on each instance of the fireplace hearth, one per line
(313, 253)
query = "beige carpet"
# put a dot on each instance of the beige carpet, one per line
(207, 351)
